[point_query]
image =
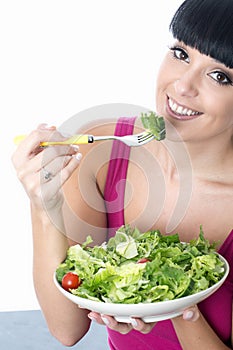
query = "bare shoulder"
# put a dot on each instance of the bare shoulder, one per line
(84, 207)
(106, 126)
(98, 126)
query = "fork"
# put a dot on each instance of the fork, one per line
(130, 140)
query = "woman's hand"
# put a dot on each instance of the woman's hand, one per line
(43, 170)
(123, 328)
(191, 314)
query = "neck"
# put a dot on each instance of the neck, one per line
(205, 158)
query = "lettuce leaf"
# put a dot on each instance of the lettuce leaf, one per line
(154, 124)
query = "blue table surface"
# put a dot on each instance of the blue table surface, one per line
(27, 330)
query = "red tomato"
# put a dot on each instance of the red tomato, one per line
(142, 260)
(70, 281)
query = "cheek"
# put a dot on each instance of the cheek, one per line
(220, 107)
(162, 76)
(165, 78)
(160, 91)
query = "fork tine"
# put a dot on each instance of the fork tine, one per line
(145, 137)
(142, 135)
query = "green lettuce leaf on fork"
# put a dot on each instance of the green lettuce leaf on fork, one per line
(154, 124)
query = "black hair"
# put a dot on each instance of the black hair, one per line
(206, 25)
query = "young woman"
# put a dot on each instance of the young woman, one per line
(190, 176)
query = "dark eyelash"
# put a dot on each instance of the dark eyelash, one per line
(225, 84)
(177, 48)
(229, 81)
(173, 48)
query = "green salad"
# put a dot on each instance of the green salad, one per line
(135, 267)
(154, 124)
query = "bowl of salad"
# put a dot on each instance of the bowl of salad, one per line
(146, 275)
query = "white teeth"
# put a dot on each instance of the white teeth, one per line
(181, 110)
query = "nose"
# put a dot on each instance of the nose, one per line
(187, 85)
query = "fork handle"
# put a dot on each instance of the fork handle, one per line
(73, 140)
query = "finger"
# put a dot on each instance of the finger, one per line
(50, 195)
(120, 327)
(57, 180)
(94, 316)
(70, 167)
(54, 162)
(47, 134)
(191, 314)
(33, 141)
(40, 134)
(30, 146)
(141, 326)
(110, 322)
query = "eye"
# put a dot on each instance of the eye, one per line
(180, 54)
(221, 78)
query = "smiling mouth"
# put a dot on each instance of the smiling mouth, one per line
(181, 112)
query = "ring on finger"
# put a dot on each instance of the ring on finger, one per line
(47, 174)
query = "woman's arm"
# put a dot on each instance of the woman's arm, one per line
(191, 328)
(196, 333)
(66, 321)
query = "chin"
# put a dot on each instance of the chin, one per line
(173, 132)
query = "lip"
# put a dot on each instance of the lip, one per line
(177, 116)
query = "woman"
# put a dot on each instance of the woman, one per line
(194, 93)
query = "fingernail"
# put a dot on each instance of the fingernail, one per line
(189, 315)
(105, 320)
(78, 156)
(45, 126)
(92, 318)
(133, 322)
(75, 147)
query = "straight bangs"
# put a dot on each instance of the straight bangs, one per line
(206, 25)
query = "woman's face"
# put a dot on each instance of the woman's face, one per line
(195, 94)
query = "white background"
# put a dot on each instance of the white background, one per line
(57, 59)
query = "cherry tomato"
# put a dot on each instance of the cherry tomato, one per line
(142, 260)
(70, 281)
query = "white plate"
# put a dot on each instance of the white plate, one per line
(148, 312)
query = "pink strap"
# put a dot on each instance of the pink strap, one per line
(116, 176)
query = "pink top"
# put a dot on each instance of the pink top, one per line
(217, 309)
